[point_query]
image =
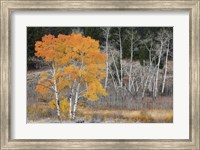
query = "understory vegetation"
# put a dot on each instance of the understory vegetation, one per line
(41, 113)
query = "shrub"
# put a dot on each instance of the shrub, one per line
(169, 118)
(143, 117)
(38, 111)
(106, 114)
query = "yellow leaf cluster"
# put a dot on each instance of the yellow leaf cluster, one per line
(64, 105)
(71, 71)
(63, 83)
(94, 90)
(52, 104)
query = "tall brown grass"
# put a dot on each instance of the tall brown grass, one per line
(38, 111)
(41, 110)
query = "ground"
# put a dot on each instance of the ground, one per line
(38, 110)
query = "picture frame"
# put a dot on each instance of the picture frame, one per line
(8, 7)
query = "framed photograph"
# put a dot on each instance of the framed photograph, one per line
(100, 74)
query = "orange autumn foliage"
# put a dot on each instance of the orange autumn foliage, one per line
(76, 59)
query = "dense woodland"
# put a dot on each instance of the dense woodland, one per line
(126, 68)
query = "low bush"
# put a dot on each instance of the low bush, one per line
(143, 117)
(169, 118)
(38, 111)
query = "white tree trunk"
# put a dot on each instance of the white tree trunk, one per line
(116, 69)
(137, 87)
(132, 84)
(166, 60)
(154, 86)
(121, 66)
(70, 107)
(131, 65)
(76, 102)
(149, 72)
(71, 96)
(150, 85)
(157, 72)
(130, 77)
(56, 93)
(107, 64)
(145, 84)
(113, 79)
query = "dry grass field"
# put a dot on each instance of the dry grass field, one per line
(41, 112)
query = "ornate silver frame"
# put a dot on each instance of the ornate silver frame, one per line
(8, 6)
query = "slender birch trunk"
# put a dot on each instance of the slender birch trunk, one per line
(56, 93)
(145, 84)
(77, 93)
(107, 64)
(131, 65)
(76, 102)
(70, 108)
(149, 71)
(157, 72)
(150, 62)
(150, 81)
(117, 72)
(130, 77)
(166, 60)
(137, 87)
(114, 83)
(154, 87)
(121, 66)
(132, 84)
(70, 103)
